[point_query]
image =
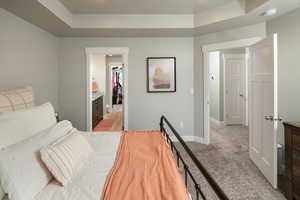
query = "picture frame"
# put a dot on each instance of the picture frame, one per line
(161, 74)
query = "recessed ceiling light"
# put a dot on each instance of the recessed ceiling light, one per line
(110, 55)
(269, 12)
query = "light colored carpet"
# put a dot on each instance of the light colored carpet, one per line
(228, 161)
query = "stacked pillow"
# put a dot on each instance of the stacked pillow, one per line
(66, 157)
(16, 99)
(23, 174)
(21, 124)
(35, 149)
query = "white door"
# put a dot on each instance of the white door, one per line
(234, 70)
(263, 116)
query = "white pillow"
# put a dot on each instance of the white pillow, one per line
(66, 157)
(31, 121)
(16, 99)
(23, 174)
(12, 132)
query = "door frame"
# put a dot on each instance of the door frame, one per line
(244, 80)
(124, 51)
(205, 51)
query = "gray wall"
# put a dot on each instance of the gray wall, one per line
(144, 108)
(28, 56)
(98, 70)
(288, 29)
(199, 41)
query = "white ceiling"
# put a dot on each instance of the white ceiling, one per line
(141, 6)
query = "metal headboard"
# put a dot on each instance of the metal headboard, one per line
(164, 124)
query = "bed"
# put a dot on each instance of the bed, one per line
(92, 180)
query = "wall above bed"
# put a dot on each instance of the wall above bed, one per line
(29, 56)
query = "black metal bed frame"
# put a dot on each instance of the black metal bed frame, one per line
(187, 172)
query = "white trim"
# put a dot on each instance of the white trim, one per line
(157, 21)
(276, 114)
(224, 89)
(58, 9)
(247, 86)
(200, 140)
(231, 44)
(214, 47)
(124, 51)
(206, 109)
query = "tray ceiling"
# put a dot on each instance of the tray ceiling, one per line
(171, 18)
(141, 6)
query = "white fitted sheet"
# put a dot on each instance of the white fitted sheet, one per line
(89, 184)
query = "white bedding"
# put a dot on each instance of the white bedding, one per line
(89, 185)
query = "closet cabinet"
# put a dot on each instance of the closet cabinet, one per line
(97, 110)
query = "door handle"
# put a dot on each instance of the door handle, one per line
(241, 95)
(279, 119)
(269, 118)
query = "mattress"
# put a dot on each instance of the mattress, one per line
(89, 184)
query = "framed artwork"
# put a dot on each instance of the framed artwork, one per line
(161, 74)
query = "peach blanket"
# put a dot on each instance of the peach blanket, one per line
(144, 170)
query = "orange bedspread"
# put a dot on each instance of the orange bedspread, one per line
(144, 170)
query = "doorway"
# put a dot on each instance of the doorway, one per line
(261, 100)
(115, 96)
(103, 64)
(227, 87)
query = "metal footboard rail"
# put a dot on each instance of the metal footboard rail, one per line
(187, 172)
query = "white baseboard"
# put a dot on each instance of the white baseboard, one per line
(200, 140)
(216, 122)
(185, 138)
(190, 139)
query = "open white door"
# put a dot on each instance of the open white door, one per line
(263, 107)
